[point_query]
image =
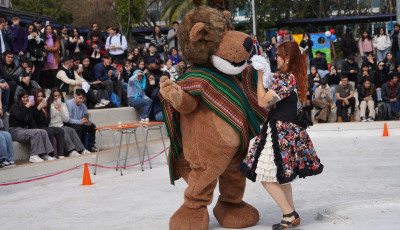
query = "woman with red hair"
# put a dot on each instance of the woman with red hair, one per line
(283, 150)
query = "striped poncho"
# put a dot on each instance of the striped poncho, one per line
(233, 98)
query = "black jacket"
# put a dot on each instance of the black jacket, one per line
(381, 76)
(348, 46)
(346, 67)
(333, 79)
(309, 43)
(360, 78)
(20, 116)
(320, 63)
(42, 120)
(361, 96)
(387, 91)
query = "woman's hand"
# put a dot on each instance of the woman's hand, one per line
(42, 105)
(29, 104)
(57, 106)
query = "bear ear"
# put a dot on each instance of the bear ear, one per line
(195, 32)
(227, 14)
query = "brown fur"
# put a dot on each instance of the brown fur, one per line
(210, 144)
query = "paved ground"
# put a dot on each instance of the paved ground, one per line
(360, 167)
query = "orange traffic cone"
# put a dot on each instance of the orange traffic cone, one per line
(385, 131)
(86, 176)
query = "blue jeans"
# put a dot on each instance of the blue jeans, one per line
(323, 73)
(159, 116)
(141, 103)
(6, 146)
(381, 54)
(379, 95)
(333, 87)
(394, 107)
(5, 96)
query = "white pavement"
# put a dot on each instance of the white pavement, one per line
(360, 183)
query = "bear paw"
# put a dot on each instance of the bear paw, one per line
(240, 215)
(189, 219)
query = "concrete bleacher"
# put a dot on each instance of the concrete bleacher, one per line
(101, 117)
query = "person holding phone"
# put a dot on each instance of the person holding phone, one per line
(58, 116)
(7, 37)
(35, 52)
(80, 122)
(68, 80)
(76, 44)
(172, 36)
(96, 49)
(23, 128)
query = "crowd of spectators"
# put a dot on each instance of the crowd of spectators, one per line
(41, 65)
(368, 78)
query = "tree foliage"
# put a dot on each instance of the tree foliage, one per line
(51, 8)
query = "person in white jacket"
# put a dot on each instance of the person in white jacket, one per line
(58, 116)
(382, 44)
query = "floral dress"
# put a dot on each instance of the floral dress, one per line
(283, 150)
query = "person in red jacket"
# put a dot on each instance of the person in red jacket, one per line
(97, 50)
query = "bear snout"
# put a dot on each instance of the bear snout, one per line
(248, 44)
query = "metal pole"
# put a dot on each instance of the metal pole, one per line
(397, 11)
(254, 16)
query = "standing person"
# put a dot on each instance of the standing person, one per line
(52, 58)
(391, 94)
(306, 44)
(96, 48)
(23, 129)
(116, 44)
(6, 37)
(64, 41)
(35, 52)
(367, 98)
(382, 44)
(172, 36)
(159, 40)
(76, 44)
(58, 116)
(80, 121)
(271, 52)
(256, 47)
(323, 100)
(38, 24)
(345, 99)
(95, 27)
(20, 41)
(286, 37)
(366, 45)
(394, 36)
(348, 44)
(272, 159)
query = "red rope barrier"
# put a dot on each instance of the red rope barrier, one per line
(58, 173)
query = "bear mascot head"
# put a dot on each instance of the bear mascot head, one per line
(211, 113)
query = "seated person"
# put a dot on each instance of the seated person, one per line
(5, 94)
(151, 53)
(79, 119)
(42, 119)
(180, 67)
(108, 76)
(381, 76)
(23, 129)
(313, 78)
(170, 69)
(350, 68)
(10, 73)
(26, 83)
(370, 62)
(154, 68)
(136, 94)
(58, 116)
(174, 56)
(6, 147)
(367, 97)
(345, 99)
(391, 94)
(320, 63)
(323, 100)
(68, 80)
(365, 73)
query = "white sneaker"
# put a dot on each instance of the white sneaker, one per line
(98, 106)
(104, 102)
(86, 152)
(60, 157)
(370, 119)
(74, 153)
(35, 159)
(46, 157)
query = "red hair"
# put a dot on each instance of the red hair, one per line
(297, 65)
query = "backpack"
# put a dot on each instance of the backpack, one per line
(120, 42)
(384, 112)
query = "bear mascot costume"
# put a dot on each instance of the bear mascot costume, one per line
(211, 113)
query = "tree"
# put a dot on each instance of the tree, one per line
(51, 8)
(128, 12)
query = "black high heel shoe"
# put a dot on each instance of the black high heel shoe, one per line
(283, 225)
